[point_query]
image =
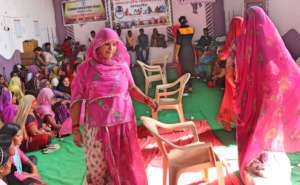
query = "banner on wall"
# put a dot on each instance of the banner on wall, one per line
(195, 1)
(140, 13)
(82, 11)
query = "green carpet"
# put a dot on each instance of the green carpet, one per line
(67, 166)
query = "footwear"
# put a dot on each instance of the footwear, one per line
(51, 148)
(185, 94)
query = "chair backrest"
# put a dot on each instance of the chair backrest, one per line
(148, 70)
(183, 81)
(161, 61)
(179, 83)
(152, 124)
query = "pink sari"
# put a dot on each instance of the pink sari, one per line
(102, 86)
(226, 113)
(44, 100)
(268, 101)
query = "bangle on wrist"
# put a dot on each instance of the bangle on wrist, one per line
(75, 126)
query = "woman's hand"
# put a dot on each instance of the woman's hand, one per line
(34, 171)
(176, 59)
(152, 103)
(77, 138)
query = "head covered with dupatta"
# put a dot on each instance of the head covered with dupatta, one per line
(268, 101)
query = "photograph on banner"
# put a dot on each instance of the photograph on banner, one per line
(195, 1)
(79, 12)
(140, 13)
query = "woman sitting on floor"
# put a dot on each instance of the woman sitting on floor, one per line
(44, 110)
(8, 110)
(35, 137)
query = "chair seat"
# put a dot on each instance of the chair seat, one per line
(155, 77)
(190, 157)
(168, 101)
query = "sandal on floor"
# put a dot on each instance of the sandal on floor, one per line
(51, 148)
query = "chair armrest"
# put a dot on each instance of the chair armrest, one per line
(165, 94)
(166, 86)
(188, 124)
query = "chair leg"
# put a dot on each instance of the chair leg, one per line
(180, 114)
(220, 173)
(146, 87)
(165, 171)
(173, 176)
(155, 114)
(205, 175)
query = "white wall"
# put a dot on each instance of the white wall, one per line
(232, 8)
(82, 32)
(284, 14)
(26, 11)
(198, 21)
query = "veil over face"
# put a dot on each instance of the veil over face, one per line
(268, 101)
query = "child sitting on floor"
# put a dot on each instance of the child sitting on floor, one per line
(24, 170)
(205, 63)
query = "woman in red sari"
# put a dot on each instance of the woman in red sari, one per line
(226, 113)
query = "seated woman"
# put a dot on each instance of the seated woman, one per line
(8, 110)
(157, 39)
(35, 137)
(64, 86)
(6, 142)
(5, 165)
(24, 171)
(31, 83)
(44, 110)
(16, 87)
(3, 82)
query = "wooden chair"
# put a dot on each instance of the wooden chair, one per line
(166, 99)
(162, 62)
(151, 74)
(179, 159)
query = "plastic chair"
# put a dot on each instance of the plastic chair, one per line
(162, 62)
(183, 158)
(166, 99)
(151, 74)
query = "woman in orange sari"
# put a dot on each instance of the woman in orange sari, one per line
(226, 113)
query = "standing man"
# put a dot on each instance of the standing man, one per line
(92, 36)
(184, 53)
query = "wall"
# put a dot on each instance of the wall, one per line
(198, 21)
(27, 12)
(82, 32)
(232, 8)
(285, 15)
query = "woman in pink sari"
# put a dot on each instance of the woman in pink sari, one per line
(8, 110)
(103, 86)
(268, 101)
(226, 113)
